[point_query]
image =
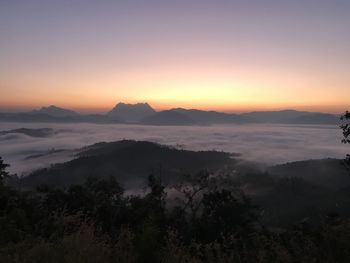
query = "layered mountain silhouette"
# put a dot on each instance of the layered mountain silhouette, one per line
(292, 117)
(168, 117)
(213, 117)
(131, 112)
(143, 113)
(55, 112)
(275, 116)
(42, 132)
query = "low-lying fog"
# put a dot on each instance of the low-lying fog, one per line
(266, 143)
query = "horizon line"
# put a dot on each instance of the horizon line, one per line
(104, 110)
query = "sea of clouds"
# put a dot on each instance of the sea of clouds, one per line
(264, 143)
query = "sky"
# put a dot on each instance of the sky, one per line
(228, 55)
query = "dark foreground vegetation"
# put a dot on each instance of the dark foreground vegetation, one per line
(208, 220)
(206, 217)
(130, 162)
(287, 193)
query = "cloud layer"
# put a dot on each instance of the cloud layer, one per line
(269, 144)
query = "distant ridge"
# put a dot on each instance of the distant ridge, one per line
(292, 117)
(143, 113)
(275, 116)
(317, 118)
(212, 117)
(55, 111)
(168, 117)
(39, 133)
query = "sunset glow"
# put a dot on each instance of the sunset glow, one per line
(232, 56)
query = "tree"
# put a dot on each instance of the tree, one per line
(3, 172)
(226, 213)
(345, 126)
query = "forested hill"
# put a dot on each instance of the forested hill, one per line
(130, 162)
(329, 173)
(289, 193)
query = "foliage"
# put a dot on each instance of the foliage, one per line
(3, 173)
(210, 221)
(118, 159)
(345, 126)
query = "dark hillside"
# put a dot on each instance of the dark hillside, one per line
(129, 162)
(329, 173)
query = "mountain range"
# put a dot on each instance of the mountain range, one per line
(143, 113)
(55, 112)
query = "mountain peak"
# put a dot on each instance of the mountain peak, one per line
(120, 104)
(55, 111)
(131, 112)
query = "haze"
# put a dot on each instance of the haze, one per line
(221, 55)
(266, 144)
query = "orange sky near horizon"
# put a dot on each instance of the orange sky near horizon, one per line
(233, 56)
(229, 88)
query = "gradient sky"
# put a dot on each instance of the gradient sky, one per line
(231, 55)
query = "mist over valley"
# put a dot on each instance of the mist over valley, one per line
(263, 143)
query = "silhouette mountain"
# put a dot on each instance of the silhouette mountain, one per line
(143, 113)
(55, 112)
(168, 117)
(130, 162)
(42, 132)
(329, 173)
(35, 117)
(292, 117)
(275, 116)
(131, 112)
(212, 117)
(56, 115)
(316, 118)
